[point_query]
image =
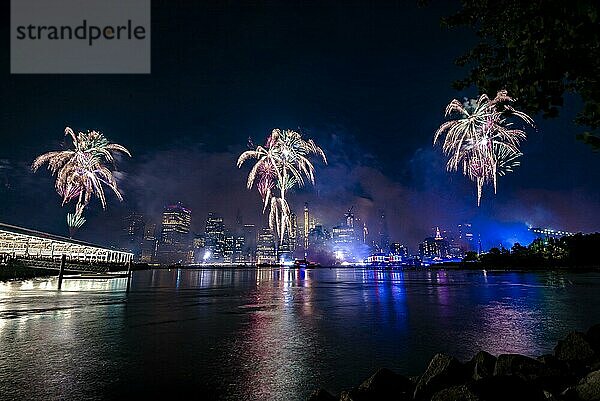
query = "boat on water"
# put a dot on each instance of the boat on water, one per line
(303, 263)
(298, 263)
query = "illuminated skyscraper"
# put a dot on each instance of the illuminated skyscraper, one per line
(434, 248)
(465, 236)
(306, 227)
(294, 232)
(250, 237)
(397, 248)
(350, 218)
(265, 252)
(239, 249)
(215, 238)
(228, 248)
(175, 241)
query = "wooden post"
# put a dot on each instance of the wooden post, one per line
(128, 275)
(63, 261)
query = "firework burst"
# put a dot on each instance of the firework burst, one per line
(282, 163)
(482, 141)
(82, 171)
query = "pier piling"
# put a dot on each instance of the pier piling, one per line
(128, 275)
(63, 261)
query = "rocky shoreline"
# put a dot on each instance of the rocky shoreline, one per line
(571, 373)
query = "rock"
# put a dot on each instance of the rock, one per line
(443, 371)
(321, 395)
(517, 365)
(588, 388)
(482, 365)
(574, 347)
(455, 393)
(503, 388)
(593, 337)
(383, 385)
(555, 376)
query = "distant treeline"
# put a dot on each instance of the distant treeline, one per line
(580, 250)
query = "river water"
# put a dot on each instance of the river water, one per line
(267, 334)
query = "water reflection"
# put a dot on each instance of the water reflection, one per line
(270, 333)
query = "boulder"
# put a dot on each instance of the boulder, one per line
(588, 389)
(574, 347)
(455, 393)
(443, 371)
(555, 375)
(383, 385)
(321, 395)
(517, 365)
(482, 365)
(503, 388)
(593, 337)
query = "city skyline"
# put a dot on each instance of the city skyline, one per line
(348, 240)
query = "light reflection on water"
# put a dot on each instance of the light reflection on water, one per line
(270, 334)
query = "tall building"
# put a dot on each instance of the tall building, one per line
(465, 236)
(293, 232)
(350, 218)
(265, 252)
(228, 248)
(250, 237)
(149, 243)
(133, 234)
(398, 249)
(199, 246)
(384, 237)
(214, 234)
(239, 249)
(347, 238)
(306, 227)
(175, 240)
(434, 248)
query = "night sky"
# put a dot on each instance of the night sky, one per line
(369, 81)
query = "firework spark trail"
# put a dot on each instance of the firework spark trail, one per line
(482, 140)
(81, 173)
(282, 163)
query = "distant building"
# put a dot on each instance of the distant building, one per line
(306, 228)
(214, 234)
(465, 236)
(239, 250)
(250, 237)
(175, 242)
(434, 248)
(133, 234)
(398, 249)
(384, 237)
(293, 236)
(265, 252)
(149, 243)
(545, 233)
(199, 248)
(228, 247)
